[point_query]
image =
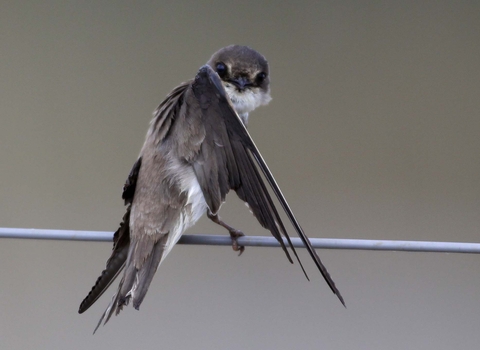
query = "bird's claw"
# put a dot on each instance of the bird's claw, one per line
(235, 234)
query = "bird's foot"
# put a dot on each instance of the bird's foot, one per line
(235, 234)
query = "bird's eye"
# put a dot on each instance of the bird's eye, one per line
(261, 77)
(221, 69)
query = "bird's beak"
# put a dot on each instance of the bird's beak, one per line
(241, 83)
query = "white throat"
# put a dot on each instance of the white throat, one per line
(246, 101)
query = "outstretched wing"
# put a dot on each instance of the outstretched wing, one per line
(121, 243)
(228, 159)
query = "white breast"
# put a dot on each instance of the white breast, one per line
(196, 201)
(194, 208)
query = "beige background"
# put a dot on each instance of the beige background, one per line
(373, 132)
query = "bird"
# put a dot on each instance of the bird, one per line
(196, 150)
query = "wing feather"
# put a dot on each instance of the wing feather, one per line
(238, 159)
(159, 129)
(121, 243)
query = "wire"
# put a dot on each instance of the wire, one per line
(255, 241)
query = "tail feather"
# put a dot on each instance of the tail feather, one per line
(135, 282)
(112, 307)
(146, 273)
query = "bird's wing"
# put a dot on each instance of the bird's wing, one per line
(161, 125)
(156, 221)
(229, 159)
(121, 242)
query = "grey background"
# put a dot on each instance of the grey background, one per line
(373, 132)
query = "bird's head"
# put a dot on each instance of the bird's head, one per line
(245, 76)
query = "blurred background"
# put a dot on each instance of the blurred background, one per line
(372, 133)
